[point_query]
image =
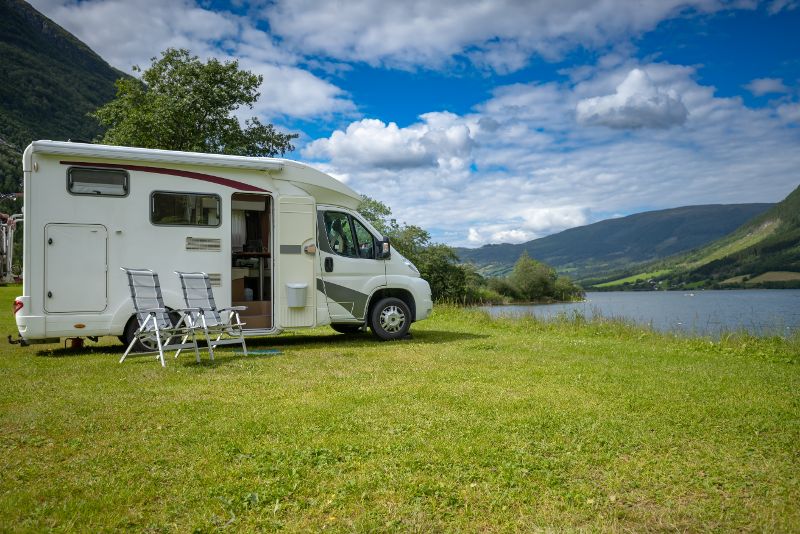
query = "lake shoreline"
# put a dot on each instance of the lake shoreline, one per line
(761, 312)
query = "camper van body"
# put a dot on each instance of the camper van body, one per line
(258, 226)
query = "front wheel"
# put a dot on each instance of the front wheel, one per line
(390, 319)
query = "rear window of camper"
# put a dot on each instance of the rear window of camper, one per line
(184, 209)
(98, 182)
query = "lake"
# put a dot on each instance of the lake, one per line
(758, 311)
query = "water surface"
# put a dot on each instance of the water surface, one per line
(758, 311)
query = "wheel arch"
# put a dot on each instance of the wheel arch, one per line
(402, 294)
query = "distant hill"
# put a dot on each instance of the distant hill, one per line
(50, 81)
(764, 252)
(615, 244)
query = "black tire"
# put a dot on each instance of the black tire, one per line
(127, 336)
(390, 319)
(346, 328)
(149, 345)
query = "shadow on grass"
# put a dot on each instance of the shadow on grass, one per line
(359, 340)
(277, 342)
(63, 352)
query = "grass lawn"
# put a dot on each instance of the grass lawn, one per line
(474, 424)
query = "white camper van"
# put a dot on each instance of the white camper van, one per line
(274, 235)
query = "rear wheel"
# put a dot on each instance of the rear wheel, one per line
(147, 343)
(390, 319)
(345, 328)
(127, 337)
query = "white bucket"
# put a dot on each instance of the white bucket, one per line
(296, 295)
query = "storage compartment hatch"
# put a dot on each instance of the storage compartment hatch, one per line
(75, 271)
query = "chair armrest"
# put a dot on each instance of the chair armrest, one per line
(153, 310)
(233, 308)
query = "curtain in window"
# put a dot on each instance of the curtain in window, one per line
(238, 229)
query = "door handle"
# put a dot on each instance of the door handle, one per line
(328, 265)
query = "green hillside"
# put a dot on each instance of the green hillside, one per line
(764, 252)
(611, 245)
(50, 81)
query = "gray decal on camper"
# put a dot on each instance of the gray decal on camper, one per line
(291, 249)
(344, 295)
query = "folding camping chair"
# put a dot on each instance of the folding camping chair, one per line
(204, 314)
(156, 331)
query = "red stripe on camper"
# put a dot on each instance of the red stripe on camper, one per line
(219, 180)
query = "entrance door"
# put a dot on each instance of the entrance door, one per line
(251, 258)
(296, 262)
(75, 268)
(350, 272)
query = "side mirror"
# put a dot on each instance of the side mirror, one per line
(384, 251)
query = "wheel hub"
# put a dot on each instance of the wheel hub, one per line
(392, 319)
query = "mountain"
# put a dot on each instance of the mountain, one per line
(764, 252)
(50, 81)
(615, 244)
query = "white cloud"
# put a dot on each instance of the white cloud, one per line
(765, 86)
(637, 103)
(294, 92)
(547, 219)
(495, 235)
(533, 170)
(529, 224)
(789, 112)
(522, 164)
(441, 140)
(499, 34)
(131, 33)
(776, 6)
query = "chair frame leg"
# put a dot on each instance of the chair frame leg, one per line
(160, 347)
(135, 339)
(187, 321)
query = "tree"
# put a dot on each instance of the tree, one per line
(408, 239)
(376, 212)
(533, 279)
(565, 289)
(502, 286)
(181, 103)
(452, 281)
(438, 264)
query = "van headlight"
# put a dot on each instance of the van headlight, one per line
(411, 266)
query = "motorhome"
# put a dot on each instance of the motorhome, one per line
(274, 235)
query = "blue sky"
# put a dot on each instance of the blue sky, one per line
(499, 120)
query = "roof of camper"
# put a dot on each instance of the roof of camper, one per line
(314, 178)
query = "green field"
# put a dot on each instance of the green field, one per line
(702, 257)
(474, 424)
(641, 277)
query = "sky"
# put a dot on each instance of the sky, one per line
(501, 121)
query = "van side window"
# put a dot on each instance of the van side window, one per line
(97, 182)
(340, 235)
(347, 236)
(365, 240)
(184, 209)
